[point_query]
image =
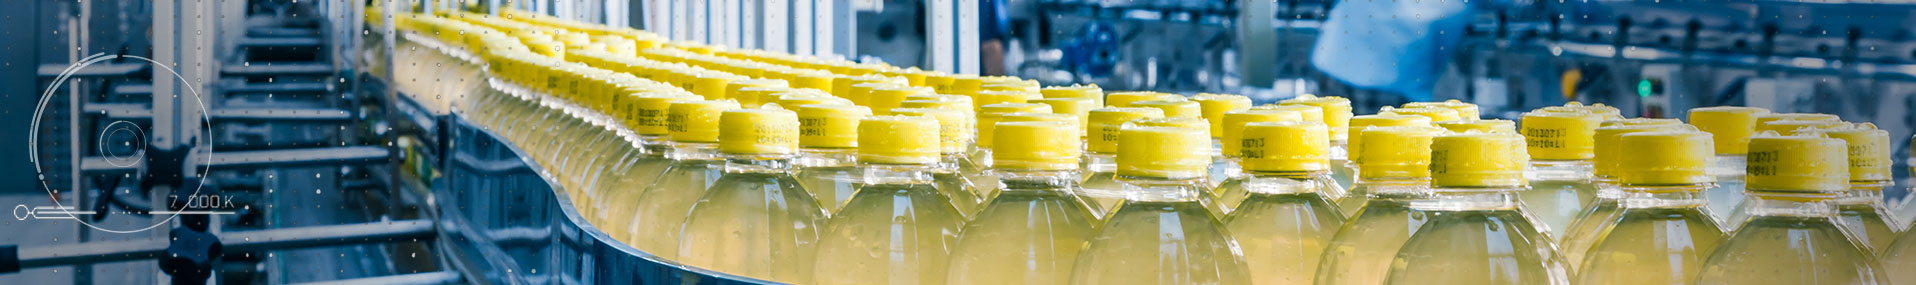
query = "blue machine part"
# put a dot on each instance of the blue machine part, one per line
(1401, 54)
(1094, 52)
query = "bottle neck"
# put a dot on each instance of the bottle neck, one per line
(1163, 189)
(950, 162)
(1283, 182)
(826, 157)
(1470, 199)
(1340, 151)
(693, 151)
(1100, 162)
(1396, 187)
(1011, 180)
(758, 163)
(1560, 170)
(883, 173)
(654, 145)
(1864, 193)
(1664, 196)
(1607, 188)
(1728, 165)
(1791, 204)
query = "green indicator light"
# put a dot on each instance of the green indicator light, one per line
(1643, 88)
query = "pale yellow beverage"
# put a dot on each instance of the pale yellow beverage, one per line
(1032, 231)
(949, 173)
(1792, 235)
(1477, 233)
(1901, 254)
(614, 206)
(662, 208)
(1101, 186)
(1285, 221)
(756, 221)
(1664, 231)
(1212, 108)
(1562, 180)
(1355, 199)
(1161, 233)
(898, 228)
(1861, 209)
(1393, 177)
(1730, 127)
(1606, 208)
(828, 143)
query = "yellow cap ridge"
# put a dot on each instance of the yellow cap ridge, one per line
(1038, 117)
(1042, 145)
(1080, 107)
(1075, 91)
(1765, 118)
(1214, 106)
(989, 114)
(1234, 122)
(1666, 158)
(1163, 151)
(1730, 126)
(1609, 151)
(1106, 122)
(899, 139)
(696, 120)
(1359, 123)
(1869, 154)
(1285, 146)
(1405, 151)
(650, 112)
(758, 131)
(1797, 164)
(1124, 99)
(1481, 126)
(1561, 136)
(861, 93)
(1478, 160)
(1465, 111)
(1640, 122)
(998, 97)
(1435, 114)
(1337, 112)
(955, 128)
(1790, 127)
(885, 98)
(1175, 108)
(830, 125)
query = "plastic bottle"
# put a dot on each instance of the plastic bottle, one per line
(828, 141)
(1285, 221)
(1793, 235)
(1355, 199)
(1901, 254)
(954, 136)
(695, 167)
(1861, 208)
(1337, 116)
(1031, 232)
(1101, 185)
(980, 154)
(1234, 131)
(1731, 128)
(757, 220)
(1561, 176)
(614, 207)
(1161, 233)
(1664, 231)
(1212, 107)
(1607, 206)
(1397, 173)
(898, 228)
(1477, 233)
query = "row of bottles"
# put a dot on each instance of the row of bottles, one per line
(804, 171)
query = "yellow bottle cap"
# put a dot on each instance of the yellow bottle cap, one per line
(1561, 136)
(1359, 123)
(1465, 111)
(1869, 157)
(1666, 158)
(1481, 126)
(712, 85)
(965, 84)
(830, 125)
(1609, 148)
(1477, 160)
(1163, 150)
(696, 120)
(1308, 112)
(1337, 112)
(1124, 99)
(1791, 127)
(1000, 97)
(961, 106)
(889, 97)
(650, 109)
(1435, 114)
(988, 116)
(1174, 108)
(1730, 126)
(758, 131)
(1404, 151)
(1285, 146)
(955, 127)
(1213, 107)
(1234, 125)
(1797, 163)
(1186, 122)
(1075, 91)
(1765, 118)
(1080, 107)
(1640, 122)
(1106, 122)
(1042, 145)
(909, 139)
(1039, 117)
(821, 81)
(842, 86)
(861, 93)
